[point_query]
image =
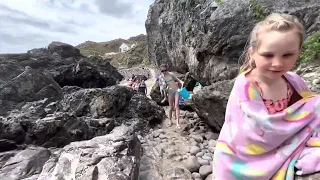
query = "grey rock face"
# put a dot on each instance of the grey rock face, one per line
(85, 131)
(63, 63)
(211, 101)
(207, 38)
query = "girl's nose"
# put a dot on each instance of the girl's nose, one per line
(277, 62)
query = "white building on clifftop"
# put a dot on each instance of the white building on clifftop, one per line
(125, 47)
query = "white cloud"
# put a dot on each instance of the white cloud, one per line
(27, 24)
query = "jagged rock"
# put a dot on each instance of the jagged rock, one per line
(177, 173)
(114, 156)
(210, 103)
(127, 73)
(23, 164)
(96, 103)
(310, 73)
(207, 38)
(63, 63)
(189, 82)
(86, 75)
(155, 94)
(31, 85)
(141, 107)
(63, 49)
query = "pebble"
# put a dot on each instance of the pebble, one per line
(192, 164)
(212, 143)
(196, 175)
(205, 170)
(316, 81)
(194, 150)
(203, 161)
(209, 177)
(198, 138)
(200, 154)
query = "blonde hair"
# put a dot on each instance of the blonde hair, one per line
(274, 22)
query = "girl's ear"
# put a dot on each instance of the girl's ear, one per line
(250, 52)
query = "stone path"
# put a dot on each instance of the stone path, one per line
(169, 153)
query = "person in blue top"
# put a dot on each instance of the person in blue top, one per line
(173, 84)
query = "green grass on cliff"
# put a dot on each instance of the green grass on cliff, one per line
(311, 48)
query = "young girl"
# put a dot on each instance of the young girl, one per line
(262, 136)
(173, 84)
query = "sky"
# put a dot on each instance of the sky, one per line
(28, 24)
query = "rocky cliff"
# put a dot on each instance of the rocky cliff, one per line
(62, 116)
(206, 37)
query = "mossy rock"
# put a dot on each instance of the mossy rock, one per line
(311, 48)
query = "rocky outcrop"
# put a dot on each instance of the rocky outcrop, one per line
(142, 72)
(310, 72)
(30, 85)
(64, 64)
(210, 103)
(77, 132)
(189, 82)
(113, 156)
(207, 37)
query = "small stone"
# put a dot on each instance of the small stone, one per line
(190, 115)
(192, 164)
(209, 177)
(193, 143)
(203, 161)
(316, 81)
(207, 158)
(212, 143)
(156, 134)
(171, 154)
(161, 131)
(201, 146)
(195, 116)
(196, 175)
(198, 138)
(178, 158)
(162, 136)
(212, 149)
(199, 154)
(205, 170)
(194, 150)
(185, 156)
(205, 142)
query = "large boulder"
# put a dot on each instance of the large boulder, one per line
(96, 102)
(31, 85)
(189, 82)
(63, 63)
(211, 101)
(207, 37)
(113, 156)
(64, 50)
(84, 74)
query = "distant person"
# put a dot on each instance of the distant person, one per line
(173, 84)
(131, 81)
(163, 88)
(142, 87)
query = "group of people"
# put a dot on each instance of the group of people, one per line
(138, 84)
